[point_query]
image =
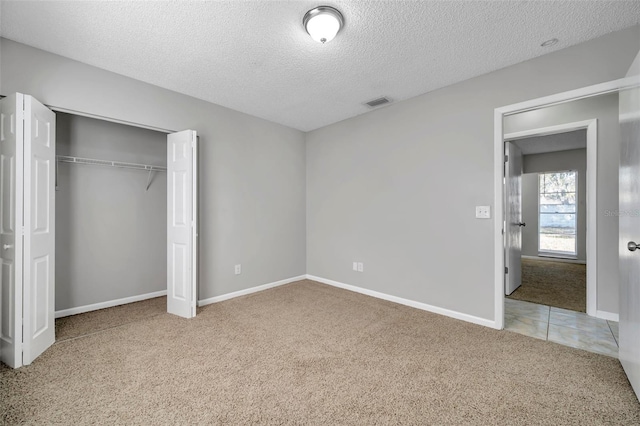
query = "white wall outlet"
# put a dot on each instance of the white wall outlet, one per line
(238, 269)
(483, 212)
(355, 266)
(360, 267)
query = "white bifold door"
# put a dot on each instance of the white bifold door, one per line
(27, 229)
(182, 223)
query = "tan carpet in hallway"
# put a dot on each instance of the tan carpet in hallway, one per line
(559, 284)
(307, 353)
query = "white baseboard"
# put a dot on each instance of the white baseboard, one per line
(555, 259)
(407, 302)
(244, 292)
(609, 316)
(109, 304)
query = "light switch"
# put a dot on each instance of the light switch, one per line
(483, 212)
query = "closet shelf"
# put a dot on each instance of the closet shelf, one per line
(119, 164)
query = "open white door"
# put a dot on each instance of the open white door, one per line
(629, 339)
(39, 229)
(513, 217)
(11, 196)
(181, 223)
(27, 229)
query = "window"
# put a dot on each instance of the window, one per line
(557, 217)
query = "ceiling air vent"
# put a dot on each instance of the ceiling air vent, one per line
(378, 102)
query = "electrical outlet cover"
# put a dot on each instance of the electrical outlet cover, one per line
(483, 212)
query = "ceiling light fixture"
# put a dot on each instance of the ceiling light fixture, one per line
(323, 23)
(549, 43)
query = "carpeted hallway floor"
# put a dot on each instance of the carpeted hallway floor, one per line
(558, 284)
(307, 353)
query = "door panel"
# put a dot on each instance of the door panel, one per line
(181, 223)
(513, 217)
(629, 337)
(11, 187)
(180, 271)
(39, 225)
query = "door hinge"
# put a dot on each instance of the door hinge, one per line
(506, 270)
(506, 158)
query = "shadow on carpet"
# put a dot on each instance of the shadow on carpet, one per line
(91, 322)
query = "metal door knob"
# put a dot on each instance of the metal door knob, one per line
(522, 224)
(632, 246)
(6, 246)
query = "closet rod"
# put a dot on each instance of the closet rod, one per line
(119, 164)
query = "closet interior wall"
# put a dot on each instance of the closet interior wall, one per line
(111, 231)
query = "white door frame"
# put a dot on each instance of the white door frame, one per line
(109, 119)
(592, 208)
(195, 201)
(498, 161)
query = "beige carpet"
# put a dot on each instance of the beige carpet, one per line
(307, 353)
(80, 325)
(559, 284)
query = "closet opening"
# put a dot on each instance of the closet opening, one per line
(111, 224)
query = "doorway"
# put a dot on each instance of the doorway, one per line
(607, 165)
(560, 180)
(111, 222)
(557, 187)
(605, 226)
(558, 196)
(28, 172)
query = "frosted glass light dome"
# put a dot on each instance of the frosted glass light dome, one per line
(323, 23)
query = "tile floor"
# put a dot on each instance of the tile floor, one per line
(569, 328)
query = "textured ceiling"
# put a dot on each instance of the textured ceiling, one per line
(552, 143)
(255, 57)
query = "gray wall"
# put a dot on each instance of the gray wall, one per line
(634, 69)
(575, 159)
(251, 171)
(110, 232)
(605, 109)
(397, 188)
(394, 188)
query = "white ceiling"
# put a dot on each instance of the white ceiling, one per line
(255, 57)
(553, 143)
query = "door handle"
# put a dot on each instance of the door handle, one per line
(632, 246)
(521, 224)
(6, 246)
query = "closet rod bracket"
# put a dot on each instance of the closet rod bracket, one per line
(149, 178)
